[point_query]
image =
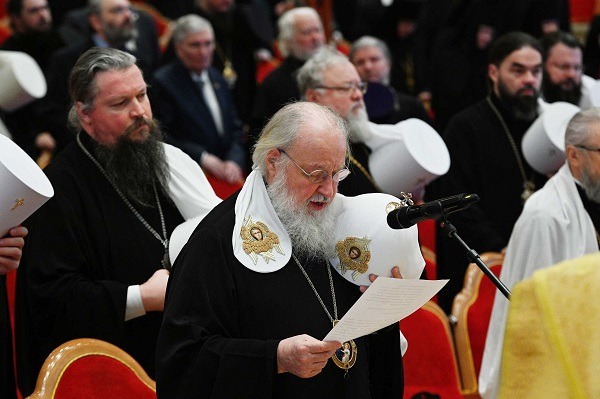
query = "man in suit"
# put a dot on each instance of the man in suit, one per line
(195, 104)
(113, 24)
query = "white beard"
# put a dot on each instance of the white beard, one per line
(358, 126)
(591, 187)
(312, 232)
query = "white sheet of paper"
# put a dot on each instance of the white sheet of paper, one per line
(387, 301)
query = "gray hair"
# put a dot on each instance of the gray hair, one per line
(370, 41)
(285, 127)
(190, 24)
(310, 75)
(82, 81)
(578, 129)
(286, 25)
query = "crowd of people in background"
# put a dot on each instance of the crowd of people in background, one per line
(475, 70)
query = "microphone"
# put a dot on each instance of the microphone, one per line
(403, 218)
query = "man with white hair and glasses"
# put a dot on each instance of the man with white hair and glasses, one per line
(559, 222)
(246, 311)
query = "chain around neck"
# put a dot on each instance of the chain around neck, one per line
(335, 313)
(164, 241)
(527, 183)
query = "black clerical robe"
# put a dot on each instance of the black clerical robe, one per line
(360, 180)
(482, 162)
(84, 248)
(223, 323)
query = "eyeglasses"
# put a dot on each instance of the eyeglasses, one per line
(583, 147)
(348, 87)
(319, 175)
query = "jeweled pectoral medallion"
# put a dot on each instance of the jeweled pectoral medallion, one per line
(345, 357)
(257, 239)
(354, 255)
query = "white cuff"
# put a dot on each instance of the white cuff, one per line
(135, 306)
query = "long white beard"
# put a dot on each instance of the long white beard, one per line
(591, 187)
(358, 126)
(312, 232)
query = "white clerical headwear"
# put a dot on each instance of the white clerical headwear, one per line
(543, 144)
(590, 92)
(365, 244)
(23, 185)
(406, 156)
(22, 80)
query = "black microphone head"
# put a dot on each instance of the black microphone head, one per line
(408, 216)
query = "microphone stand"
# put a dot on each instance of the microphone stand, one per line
(473, 256)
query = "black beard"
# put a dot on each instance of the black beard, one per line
(117, 36)
(553, 92)
(523, 107)
(136, 167)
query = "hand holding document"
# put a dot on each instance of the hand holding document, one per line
(387, 301)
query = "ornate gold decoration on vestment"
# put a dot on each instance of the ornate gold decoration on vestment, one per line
(354, 254)
(257, 239)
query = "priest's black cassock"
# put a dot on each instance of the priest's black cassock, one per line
(482, 162)
(359, 181)
(84, 248)
(223, 323)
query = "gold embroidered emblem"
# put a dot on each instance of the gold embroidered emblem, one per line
(354, 254)
(18, 203)
(257, 239)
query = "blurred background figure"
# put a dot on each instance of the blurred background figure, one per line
(195, 105)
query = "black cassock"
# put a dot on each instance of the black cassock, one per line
(84, 248)
(482, 162)
(223, 323)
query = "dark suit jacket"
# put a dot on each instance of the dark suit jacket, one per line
(76, 28)
(179, 105)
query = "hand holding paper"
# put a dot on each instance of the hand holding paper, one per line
(387, 301)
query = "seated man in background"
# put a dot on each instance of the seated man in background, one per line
(558, 222)
(95, 260)
(195, 105)
(300, 36)
(373, 62)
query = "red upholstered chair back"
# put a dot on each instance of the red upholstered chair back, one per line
(430, 361)
(472, 309)
(92, 369)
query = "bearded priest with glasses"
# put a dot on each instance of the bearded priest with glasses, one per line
(252, 294)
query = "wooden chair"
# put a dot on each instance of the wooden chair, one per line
(430, 362)
(471, 311)
(92, 369)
